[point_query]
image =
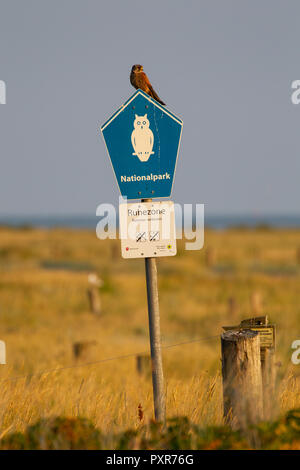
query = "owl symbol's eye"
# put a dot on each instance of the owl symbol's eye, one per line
(144, 122)
(139, 123)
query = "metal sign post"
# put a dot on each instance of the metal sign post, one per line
(142, 139)
(155, 338)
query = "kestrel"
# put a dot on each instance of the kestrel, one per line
(139, 79)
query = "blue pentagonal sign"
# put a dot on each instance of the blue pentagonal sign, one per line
(142, 140)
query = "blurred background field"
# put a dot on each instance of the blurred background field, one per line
(44, 310)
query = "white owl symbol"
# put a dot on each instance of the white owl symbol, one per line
(142, 138)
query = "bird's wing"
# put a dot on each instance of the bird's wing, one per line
(145, 79)
(150, 89)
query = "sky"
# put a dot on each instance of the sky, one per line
(225, 67)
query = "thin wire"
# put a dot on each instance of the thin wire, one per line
(190, 342)
(101, 361)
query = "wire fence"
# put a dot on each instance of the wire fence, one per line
(108, 359)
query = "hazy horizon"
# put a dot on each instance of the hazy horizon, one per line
(90, 221)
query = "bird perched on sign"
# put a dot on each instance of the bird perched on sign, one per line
(139, 79)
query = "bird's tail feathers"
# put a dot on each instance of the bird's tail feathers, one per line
(156, 97)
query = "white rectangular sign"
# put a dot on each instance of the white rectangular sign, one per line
(147, 229)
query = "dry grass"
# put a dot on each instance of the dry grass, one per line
(44, 310)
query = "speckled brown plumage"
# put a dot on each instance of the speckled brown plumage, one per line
(139, 79)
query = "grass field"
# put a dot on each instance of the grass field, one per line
(44, 309)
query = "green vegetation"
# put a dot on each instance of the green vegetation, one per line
(179, 434)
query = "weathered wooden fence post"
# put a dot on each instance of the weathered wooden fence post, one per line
(268, 381)
(267, 335)
(143, 364)
(94, 300)
(93, 293)
(267, 356)
(242, 378)
(81, 348)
